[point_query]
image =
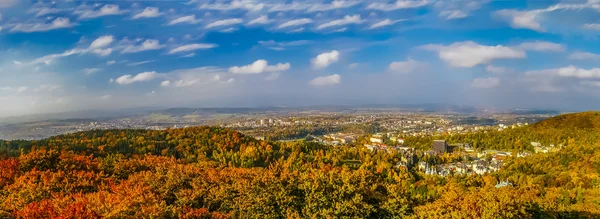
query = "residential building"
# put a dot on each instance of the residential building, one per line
(376, 140)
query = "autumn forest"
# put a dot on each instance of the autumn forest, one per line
(211, 172)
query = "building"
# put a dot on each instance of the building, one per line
(503, 184)
(376, 140)
(440, 146)
(400, 141)
(468, 148)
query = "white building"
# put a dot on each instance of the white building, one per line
(376, 140)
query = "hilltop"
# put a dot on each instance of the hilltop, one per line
(571, 121)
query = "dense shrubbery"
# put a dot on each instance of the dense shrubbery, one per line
(207, 172)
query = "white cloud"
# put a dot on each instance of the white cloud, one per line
(584, 56)
(296, 22)
(102, 52)
(218, 78)
(259, 66)
(273, 76)
(106, 97)
(89, 71)
(140, 63)
(129, 79)
(568, 72)
(340, 30)
(293, 6)
(468, 54)
(542, 46)
(20, 89)
(48, 59)
(297, 30)
(407, 66)
(326, 80)
(335, 4)
(185, 83)
(453, 14)
(226, 22)
(591, 26)
(41, 11)
(233, 5)
(111, 62)
(148, 12)
(325, 59)
(383, 23)
(229, 30)
(101, 42)
(201, 77)
(280, 46)
(95, 47)
(399, 4)
(145, 46)
(496, 69)
(58, 23)
(264, 19)
(450, 10)
(353, 65)
(190, 19)
(532, 19)
(522, 19)
(47, 88)
(191, 47)
(354, 19)
(190, 55)
(490, 82)
(106, 10)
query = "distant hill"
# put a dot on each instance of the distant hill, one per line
(533, 112)
(583, 120)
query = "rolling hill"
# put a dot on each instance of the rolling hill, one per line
(571, 121)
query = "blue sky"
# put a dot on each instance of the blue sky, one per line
(60, 56)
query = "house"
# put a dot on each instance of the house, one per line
(523, 154)
(404, 148)
(460, 168)
(468, 148)
(503, 184)
(541, 149)
(504, 153)
(401, 164)
(422, 165)
(376, 140)
(400, 140)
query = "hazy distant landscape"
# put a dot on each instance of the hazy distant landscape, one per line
(43, 126)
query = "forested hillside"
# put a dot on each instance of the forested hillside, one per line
(576, 128)
(209, 172)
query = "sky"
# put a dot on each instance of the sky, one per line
(61, 56)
